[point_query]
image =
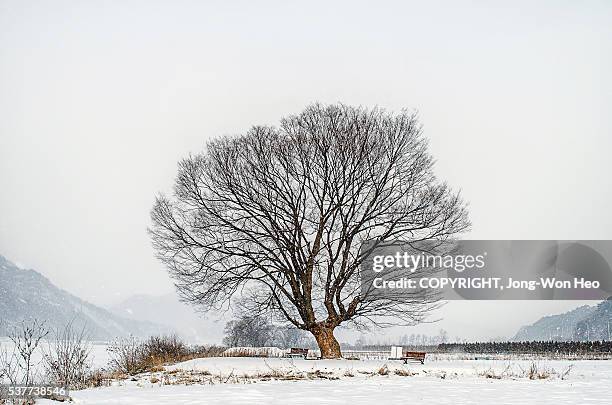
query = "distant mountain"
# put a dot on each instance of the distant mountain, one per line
(26, 295)
(583, 323)
(597, 325)
(189, 324)
(554, 327)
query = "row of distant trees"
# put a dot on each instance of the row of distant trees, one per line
(414, 339)
(536, 347)
(259, 331)
(255, 331)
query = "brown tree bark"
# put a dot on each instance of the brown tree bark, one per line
(329, 346)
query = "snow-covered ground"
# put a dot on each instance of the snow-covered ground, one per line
(286, 381)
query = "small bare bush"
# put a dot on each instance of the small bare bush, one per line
(67, 357)
(98, 378)
(537, 373)
(158, 350)
(127, 355)
(21, 364)
(9, 367)
(533, 372)
(131, 356)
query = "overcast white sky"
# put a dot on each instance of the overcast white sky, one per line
(99, 100)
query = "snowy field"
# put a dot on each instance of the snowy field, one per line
(286, 381)
(444, 379)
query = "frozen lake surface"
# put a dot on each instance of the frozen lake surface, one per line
(98, 355)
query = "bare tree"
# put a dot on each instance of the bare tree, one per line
(26, 338)
(252, 331)
(258, 331)
(278, 216)
(443, 336)
(289, 336)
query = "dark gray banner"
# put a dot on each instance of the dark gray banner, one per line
(488, 270)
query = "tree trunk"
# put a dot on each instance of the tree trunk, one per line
(329, 346)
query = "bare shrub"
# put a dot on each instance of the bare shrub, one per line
(67, 357)
(155, 369)
(127, 355)
(19, 366)
(26, 337)
(158, 350)
(9, 366)
(537, 373)
(132, 356)
(99, 378)
(533, 372)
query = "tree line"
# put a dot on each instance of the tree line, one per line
(539, 347)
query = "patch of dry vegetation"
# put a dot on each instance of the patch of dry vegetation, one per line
(534, 372)
(404, 373)
(131, 356)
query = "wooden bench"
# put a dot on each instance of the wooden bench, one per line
(297, 352)
(416, 356)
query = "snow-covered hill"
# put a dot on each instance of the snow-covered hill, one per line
(554, 327)
(581, 324)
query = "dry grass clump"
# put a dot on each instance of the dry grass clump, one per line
(533, 372)
(384, 370)
(404, 373)
(190, 377)
(321, 375)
